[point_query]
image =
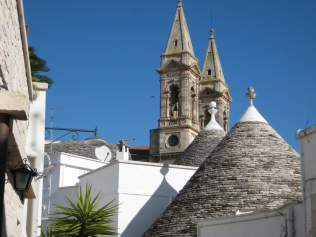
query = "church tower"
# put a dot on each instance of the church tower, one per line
(213, 88)
(179, 103)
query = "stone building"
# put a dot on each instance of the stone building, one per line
(251, 168)
(213, 87)
(204, 143)
(16, 94)
(185, 92)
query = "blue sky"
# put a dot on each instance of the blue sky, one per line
(103, 56)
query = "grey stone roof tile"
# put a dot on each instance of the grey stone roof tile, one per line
(251, 168)
(200, 148)
(78, 148)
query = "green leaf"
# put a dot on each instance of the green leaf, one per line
(39, 65)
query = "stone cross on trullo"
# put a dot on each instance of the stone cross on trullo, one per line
(251, 94)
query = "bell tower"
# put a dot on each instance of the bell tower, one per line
(213, 88)
(179, 73)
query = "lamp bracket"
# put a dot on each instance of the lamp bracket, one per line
(9, 166)
(69, 130)
(40, 176)
(19, 165)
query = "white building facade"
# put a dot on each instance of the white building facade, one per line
(62, 179)
(141, 190)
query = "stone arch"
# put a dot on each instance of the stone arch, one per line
(205, 90)
(172, 84)
(174, 105)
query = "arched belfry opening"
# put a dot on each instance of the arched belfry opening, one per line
(174, 101)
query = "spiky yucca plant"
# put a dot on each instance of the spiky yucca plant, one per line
(84, 218)
(48, 233)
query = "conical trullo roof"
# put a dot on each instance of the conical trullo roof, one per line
(78, 148)
(202, 146)
(251, 168)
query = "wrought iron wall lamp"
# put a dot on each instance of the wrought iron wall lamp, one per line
(23, 175)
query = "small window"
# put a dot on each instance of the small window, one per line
(209, 72)
(173, 140)
(175, 42)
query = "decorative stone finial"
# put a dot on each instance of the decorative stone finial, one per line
(179, 3)
(212, 111)
(212, 33)
(251, 94)
(213, 124)
(251, 114)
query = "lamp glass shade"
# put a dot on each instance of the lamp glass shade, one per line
(22, 179)
(95, 141)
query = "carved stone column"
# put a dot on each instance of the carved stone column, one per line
(167, 105)
(180, 104)
(193, 108)
(202, 119)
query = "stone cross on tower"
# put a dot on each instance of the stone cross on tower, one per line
(212, 34)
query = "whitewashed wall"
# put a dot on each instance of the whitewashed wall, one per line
(244, 228)
(62, 180)
(35, 154)
(285, 221)
(307, 139)
(142, 190)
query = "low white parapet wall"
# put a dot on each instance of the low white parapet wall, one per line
(142, 190)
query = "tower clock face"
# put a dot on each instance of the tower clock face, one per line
(173, 140)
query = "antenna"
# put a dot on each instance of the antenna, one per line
(308, 115)
(127, 140)
(52, 117)
(211, 18)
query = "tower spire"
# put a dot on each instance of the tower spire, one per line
(212, 69)
(214, 87)
(179, 39)
(179, 90)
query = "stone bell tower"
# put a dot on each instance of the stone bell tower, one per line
(179, 87)
(213, 88)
